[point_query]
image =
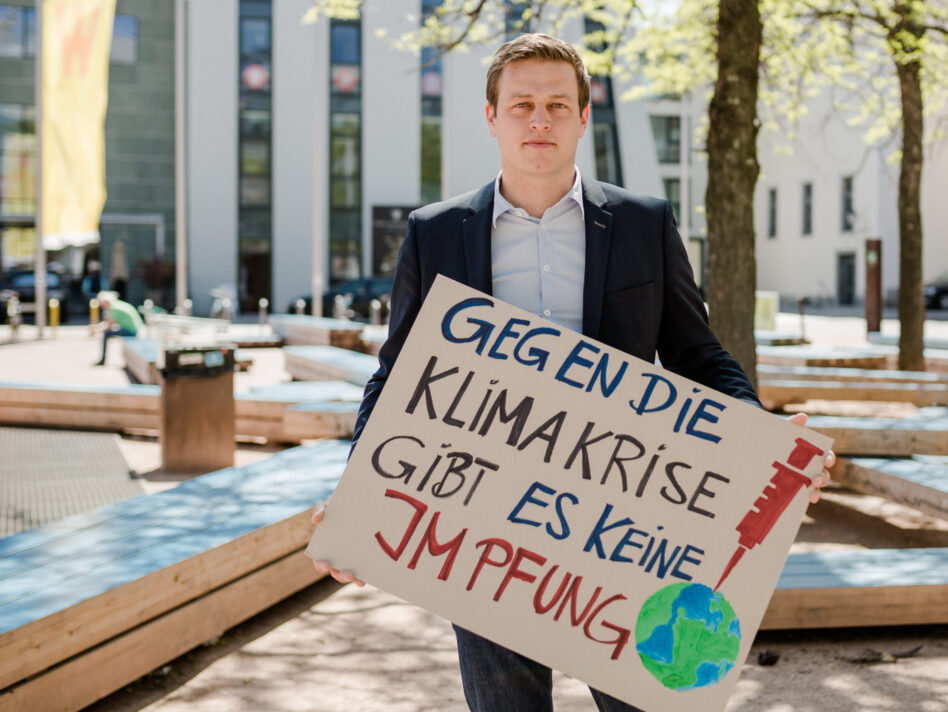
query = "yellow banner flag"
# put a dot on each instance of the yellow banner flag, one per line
(76, 38)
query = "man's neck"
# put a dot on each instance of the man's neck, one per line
(534, 194)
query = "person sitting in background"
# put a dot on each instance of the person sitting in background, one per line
(120, 319)
(93, 282)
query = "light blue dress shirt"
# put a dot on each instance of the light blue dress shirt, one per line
(538, 264)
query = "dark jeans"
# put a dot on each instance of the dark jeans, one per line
(499, 680)
(108, 334)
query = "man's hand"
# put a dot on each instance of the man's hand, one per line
(324, 567)
(821, 480)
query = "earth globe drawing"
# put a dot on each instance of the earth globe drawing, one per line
(687, 636)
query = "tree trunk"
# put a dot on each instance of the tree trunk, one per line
(911, 302)
(732, 176)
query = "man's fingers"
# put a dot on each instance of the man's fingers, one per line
(318, 513)
(798, 418)
(829, 460)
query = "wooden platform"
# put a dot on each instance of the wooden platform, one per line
(770, 372)
(918, 483)
(922, 434)
(302, 330)
(854, 588)
(866, 357)
(774, 394)
(94, 601)
(141, 359)
(264, 413)
(328, 363)
(776, 338)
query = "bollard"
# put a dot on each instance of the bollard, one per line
(375, 312)
(801, 305)
(225, 309)
(339, 308)
(14, 315)
(148, 306)
(188, 306)
(262, 309)
(300, 307)
(53, 315)
(93, 311)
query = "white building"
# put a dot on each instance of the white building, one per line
(308, 143)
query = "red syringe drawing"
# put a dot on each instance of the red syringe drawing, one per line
(783, 487)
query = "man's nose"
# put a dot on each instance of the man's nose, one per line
(540, 118)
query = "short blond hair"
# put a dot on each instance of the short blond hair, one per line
(537, 46)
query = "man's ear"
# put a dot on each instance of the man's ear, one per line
(584, 118)
(489, 113)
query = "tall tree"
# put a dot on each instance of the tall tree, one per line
(732, 176)
(912, 35)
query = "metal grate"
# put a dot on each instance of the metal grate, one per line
(46, 475)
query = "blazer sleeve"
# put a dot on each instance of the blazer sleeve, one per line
(686, 344)
(403, 308)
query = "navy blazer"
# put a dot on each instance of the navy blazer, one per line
(639, 293)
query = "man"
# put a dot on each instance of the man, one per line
(584, 254)
(120, 319)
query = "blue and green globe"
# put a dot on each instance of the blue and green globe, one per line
(687, 636)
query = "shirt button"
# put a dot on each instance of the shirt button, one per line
(546, 268)
(546, 312)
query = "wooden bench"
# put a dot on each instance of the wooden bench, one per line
(328, 363)
(177, 327)
(141, 359)
(264, 413)
(918, 483)
(775, 338)
(113, 408)
(95, 601)
(866, 357)
(774, 394)
(770, 372)
(876, 337)
(302, 330)
(922, 434)
(855, 588)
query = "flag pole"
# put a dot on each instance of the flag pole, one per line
(180, 153)
(40, 270)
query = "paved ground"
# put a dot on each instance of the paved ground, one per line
(361, 649)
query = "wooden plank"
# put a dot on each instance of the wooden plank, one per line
(320, 420)
(922, 434)
(771, 372)
(775, 394)
(775, 338)
(108, 420)
(919, 484)
(852, 587)
(324, 363)
(73, 598)
(866, 357)
(100, 671)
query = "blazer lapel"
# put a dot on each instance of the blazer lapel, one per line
(598, 238)
(477, 228)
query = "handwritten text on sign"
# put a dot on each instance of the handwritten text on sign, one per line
(592, 511)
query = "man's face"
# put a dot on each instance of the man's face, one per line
(537, 121)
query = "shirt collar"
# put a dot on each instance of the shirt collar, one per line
(502, 205)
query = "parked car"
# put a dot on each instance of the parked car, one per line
(936, 293)
(357, 294)
(23, 282)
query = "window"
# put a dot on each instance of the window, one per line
(514, 24)
(345, 150)
(847, 205)
(605, 131)
(431, 88)
(17, 178)
(807, 222)
(772, 212)
(673, 194)
(12, 31)
(124, 49)
(255, 191)
(667, 133)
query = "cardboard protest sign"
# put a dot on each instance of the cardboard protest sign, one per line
(587, 509)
